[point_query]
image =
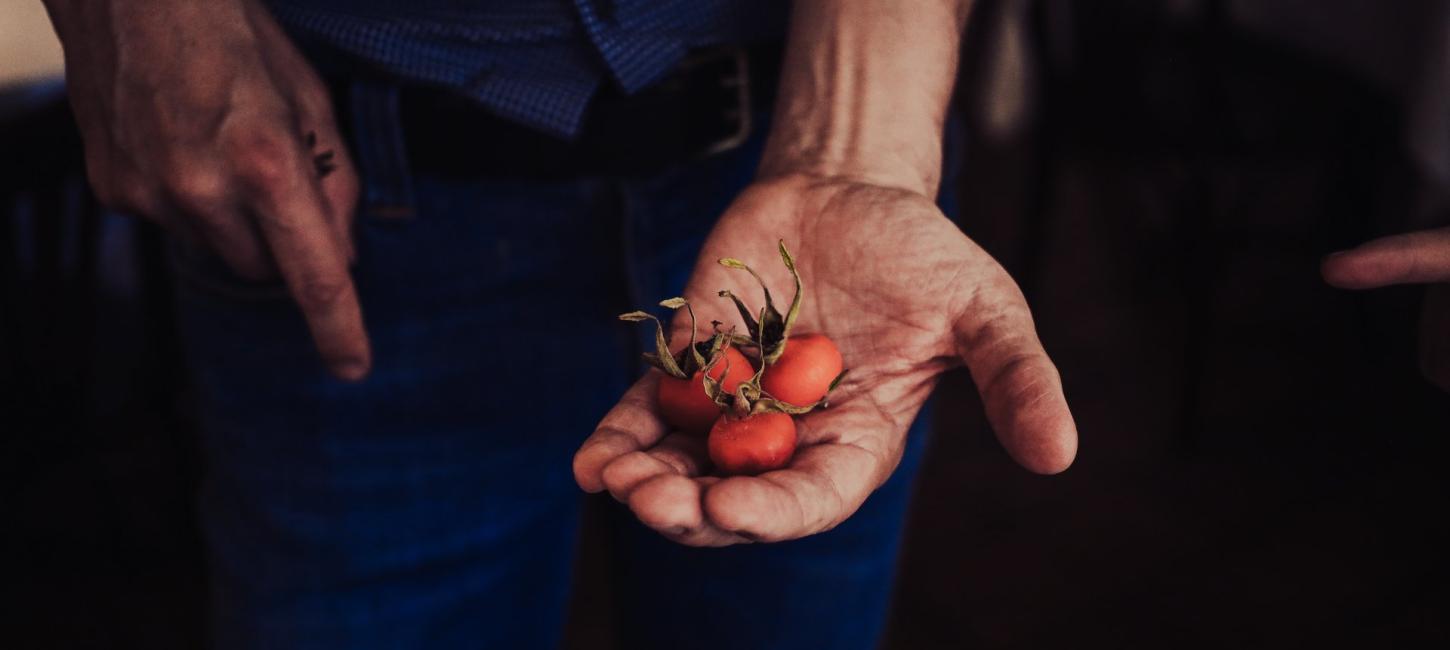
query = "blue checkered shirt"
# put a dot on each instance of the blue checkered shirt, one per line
(536, 62)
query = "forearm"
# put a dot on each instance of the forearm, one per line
(864, 91)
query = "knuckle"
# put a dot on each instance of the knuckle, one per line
(262, 159)
(196, 190)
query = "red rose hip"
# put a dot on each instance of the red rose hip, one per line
(804, 372)
(752, 444)
(684, 404)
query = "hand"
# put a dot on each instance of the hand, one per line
(205, 118)
(1413, 258)
(906, 296)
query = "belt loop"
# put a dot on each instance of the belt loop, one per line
(382, 157)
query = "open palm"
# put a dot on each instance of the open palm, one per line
(906, 296)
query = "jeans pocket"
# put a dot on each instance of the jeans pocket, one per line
(200, 270)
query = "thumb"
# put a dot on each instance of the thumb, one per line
(1019, 384)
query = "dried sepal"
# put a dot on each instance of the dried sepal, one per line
(713, 388)
(770, 310)
(770, 328)
(772, 405)
(745, 315)
(694, 361)
(742, 341)
(714, 351)
(795, 303)
(738, 341)
(746, 398)
(768, 403)
(661, 358)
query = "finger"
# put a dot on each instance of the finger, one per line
(337, 178)
(674, 454)
(326, 147)
(289, 208)
(223, 230)
(823, 486)
(1019, 384)
(670, 504)
(632, 425)
(1410, 258)
(238, 241)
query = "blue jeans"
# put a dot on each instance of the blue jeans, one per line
(433, 505)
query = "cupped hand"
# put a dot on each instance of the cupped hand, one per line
(1421, 257)
(205, 118)
(906, 296)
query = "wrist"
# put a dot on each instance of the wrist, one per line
(864, 92)
(855, 151)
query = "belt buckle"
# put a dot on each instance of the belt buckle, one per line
(734, 79)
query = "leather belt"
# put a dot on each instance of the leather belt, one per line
(709, 104)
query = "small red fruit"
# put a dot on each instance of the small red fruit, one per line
(752, 444)
(804, 372)
(685, 405)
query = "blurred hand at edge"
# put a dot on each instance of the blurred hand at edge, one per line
(1421, 257)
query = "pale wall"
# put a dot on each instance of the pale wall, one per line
(28, 47)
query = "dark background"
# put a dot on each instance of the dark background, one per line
(1261, 462)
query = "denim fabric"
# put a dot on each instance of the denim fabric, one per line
(433, 505)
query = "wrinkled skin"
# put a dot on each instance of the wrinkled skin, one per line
(906, 296)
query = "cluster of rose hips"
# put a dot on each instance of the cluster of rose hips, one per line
(742, 390)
